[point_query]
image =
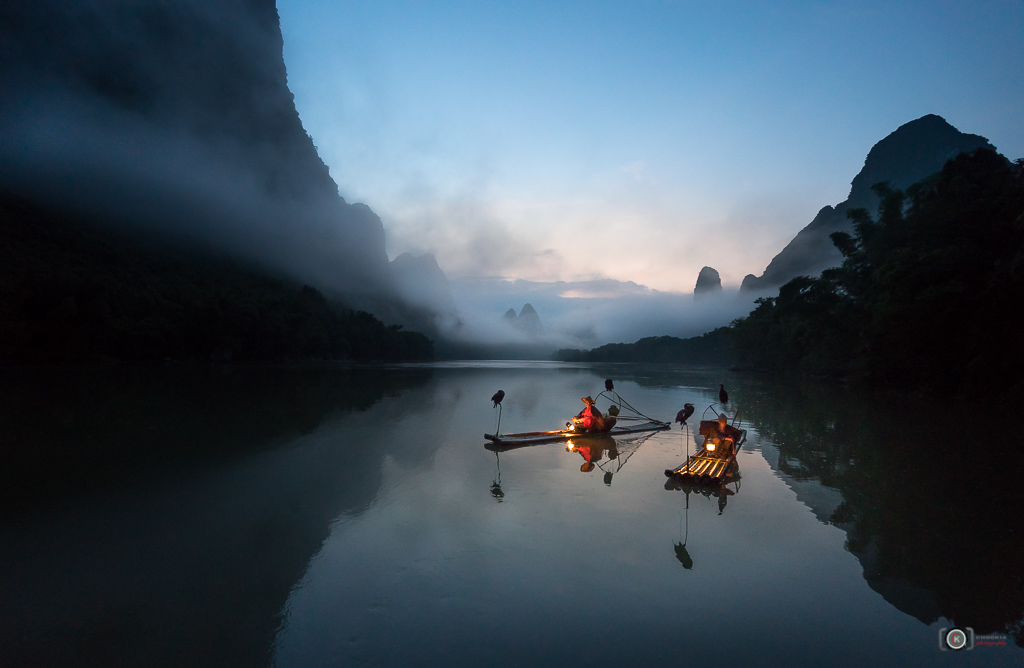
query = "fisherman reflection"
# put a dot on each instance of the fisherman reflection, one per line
(720, 493)
(593, 450)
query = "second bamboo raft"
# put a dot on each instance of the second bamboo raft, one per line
(707, 467)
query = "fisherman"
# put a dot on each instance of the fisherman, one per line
(725, 443)
(590, 419)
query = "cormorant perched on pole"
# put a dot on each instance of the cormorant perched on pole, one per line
(684, 414)
(608, 385)
(723, 396)
(498, 396)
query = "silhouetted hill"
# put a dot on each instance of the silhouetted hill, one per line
(72, 290)
(176, 116)
(425, 295)
(915, 150)
(528, 320)
(171, 124)
(714, 348)
(709, 283)
(928, 295)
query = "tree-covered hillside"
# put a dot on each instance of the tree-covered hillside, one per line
(713, 348)
(929, 294)
(72, 290)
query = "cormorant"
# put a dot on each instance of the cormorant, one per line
(685, 413)
(498, 396)
(608, 385)
(723, 396)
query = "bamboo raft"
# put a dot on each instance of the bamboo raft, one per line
(534, 437)
(708, 468)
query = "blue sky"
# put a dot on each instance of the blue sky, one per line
(637, 141)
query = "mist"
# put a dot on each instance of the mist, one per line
(175, 118)
(588, 314)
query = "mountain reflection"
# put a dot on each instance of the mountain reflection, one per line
(931, 506)
(161, 517)
(69, 433)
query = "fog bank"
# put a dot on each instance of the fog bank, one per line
(175, 117)
(587, 314)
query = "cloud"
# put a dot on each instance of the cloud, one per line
(468, 235)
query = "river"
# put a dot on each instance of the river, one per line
(318, 516)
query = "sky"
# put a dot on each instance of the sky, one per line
(634, 141)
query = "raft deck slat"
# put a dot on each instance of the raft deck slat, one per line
(702, 466)
(533, 437)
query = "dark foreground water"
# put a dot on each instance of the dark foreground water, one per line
(331, 517)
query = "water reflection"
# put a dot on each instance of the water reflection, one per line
(936, 526)
(935, 523)
(69, 433)
(682, 554)
(593, 449)
(496, 492)
(720, 493)
(331, 512)
(161, 517)
(598, 451)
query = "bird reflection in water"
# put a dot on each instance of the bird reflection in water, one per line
(683, 556)
(681, 552)
(721, 493)
(496, 492)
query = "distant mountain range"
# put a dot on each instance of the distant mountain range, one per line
(527, 321)
(914, 151)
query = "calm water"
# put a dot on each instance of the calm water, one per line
(330, 517)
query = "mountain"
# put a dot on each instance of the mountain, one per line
(914, 151)
(528, 321)
(425, 293)
(709, 284)
(174, 119)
